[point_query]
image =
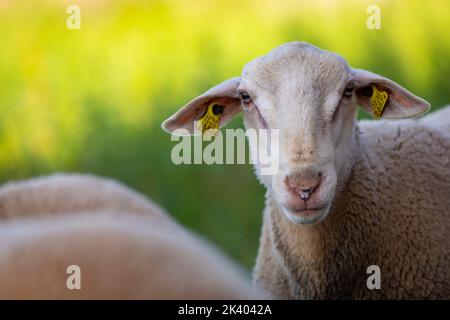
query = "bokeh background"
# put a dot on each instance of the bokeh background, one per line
(92, 100)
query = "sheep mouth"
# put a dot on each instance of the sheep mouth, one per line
(305, 207)
(306, 211)
(306, 215)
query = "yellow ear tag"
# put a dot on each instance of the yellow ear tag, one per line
(378, 101)
(211, 118)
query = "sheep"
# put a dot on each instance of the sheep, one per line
(65, 193)
(349, 197)
(125, 246)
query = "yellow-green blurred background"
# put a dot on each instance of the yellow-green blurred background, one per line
(92, 100)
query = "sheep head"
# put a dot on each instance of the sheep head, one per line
(310, 96)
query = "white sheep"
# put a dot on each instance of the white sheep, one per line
(348, 194)
(125, 246)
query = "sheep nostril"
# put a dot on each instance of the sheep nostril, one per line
(304, 194)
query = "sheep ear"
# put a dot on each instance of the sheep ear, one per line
(384, 98)
(225, 94)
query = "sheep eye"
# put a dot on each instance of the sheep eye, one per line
(348, 92)
(245, 97)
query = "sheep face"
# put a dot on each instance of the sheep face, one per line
(307, 94)
(310, 97)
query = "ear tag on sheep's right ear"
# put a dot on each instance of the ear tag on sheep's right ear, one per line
(378, 101)
(211, 118)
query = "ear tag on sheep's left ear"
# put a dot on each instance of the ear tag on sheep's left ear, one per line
(378, 101)
(211, 118)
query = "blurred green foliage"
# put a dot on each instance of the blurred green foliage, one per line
(92, 100)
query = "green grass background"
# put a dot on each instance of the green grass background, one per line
(92, 100)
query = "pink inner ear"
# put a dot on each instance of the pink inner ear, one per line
(193, 114)
(186, 117)
(231, 106)
(401, 102)
(400, 99)
(225, 94)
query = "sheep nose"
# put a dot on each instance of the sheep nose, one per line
(303, 184)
